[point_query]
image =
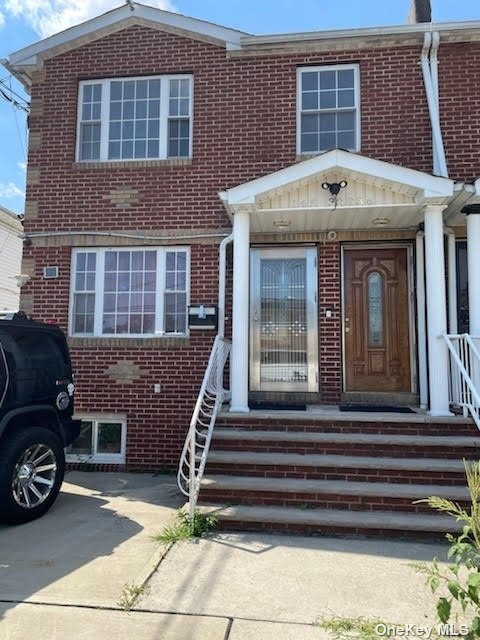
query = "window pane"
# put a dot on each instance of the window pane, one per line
(328, 99)
(346, 98)
(82, 445)
(125, 302)
(175, 300)
(328, 80)
(375, 309)
(324, 124)
(109, 438)
(345, 78)
(310, 81)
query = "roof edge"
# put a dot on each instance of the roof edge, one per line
(28, 55)
(251, 41)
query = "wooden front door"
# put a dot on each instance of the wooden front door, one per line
(376, 320)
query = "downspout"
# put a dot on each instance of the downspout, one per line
(430, 80)
(222, 279)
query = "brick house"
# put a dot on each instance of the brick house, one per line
(329, 178)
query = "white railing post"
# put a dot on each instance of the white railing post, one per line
(197, 443)
(464, 362)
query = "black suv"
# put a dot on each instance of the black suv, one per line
(36, 408)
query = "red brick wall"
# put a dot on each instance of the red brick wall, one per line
(244, 127)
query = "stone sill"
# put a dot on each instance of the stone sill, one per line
(129, 343)
(134, 164)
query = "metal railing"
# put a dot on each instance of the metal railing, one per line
(197, 443)
(465, 374)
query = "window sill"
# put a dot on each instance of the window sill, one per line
(81, 458)
(133, 164)
(170, 342)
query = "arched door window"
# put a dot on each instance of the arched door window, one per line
(375, 309)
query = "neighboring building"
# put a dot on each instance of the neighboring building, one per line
(11, 233)
(153, 136)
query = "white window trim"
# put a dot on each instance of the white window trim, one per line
(104, 121)
(329, 67)
(103, 458)
(99, 280)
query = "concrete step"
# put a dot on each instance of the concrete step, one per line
(374, 444)
(337, 467)
(328, 521)
(328, 494)
(360, 438)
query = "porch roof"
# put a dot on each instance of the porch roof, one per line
(377, 194)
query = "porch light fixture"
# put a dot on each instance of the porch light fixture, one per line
(380, 222)
(282, 224)
(334, 188)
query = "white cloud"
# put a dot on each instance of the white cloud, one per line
(2, 20)
(22, 166)
(10, 190)
(51, 16)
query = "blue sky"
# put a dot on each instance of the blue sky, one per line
(23, 22)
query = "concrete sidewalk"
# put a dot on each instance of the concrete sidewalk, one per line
(63, 575)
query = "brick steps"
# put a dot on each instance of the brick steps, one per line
(325, 494)
(318, 474)
(326, 522)
(337, 467)
(402, 445)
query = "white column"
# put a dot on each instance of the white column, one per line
(473, 253)
(436, 311)
(240, 315)
(421, 322)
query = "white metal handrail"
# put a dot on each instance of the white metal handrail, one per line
(197, 443)
(465, 374)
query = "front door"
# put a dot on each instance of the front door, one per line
(376, 320)
(283, 320)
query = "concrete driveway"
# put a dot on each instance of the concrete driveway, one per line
(62, 577)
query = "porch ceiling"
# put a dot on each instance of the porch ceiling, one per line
(377, 195)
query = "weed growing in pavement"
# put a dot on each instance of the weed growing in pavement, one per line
(344, 628)
(183, 528)
(130, 595)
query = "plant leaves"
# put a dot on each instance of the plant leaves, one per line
(443, 609)
(454, 588)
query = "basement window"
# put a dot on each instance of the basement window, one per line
(146, 118)
(328, 109)
(101, 439)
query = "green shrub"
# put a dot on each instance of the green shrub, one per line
(462, 576)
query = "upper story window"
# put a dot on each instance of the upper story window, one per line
(328, 113)
(147, 118)
(130, 292)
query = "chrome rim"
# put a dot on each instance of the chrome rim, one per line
(34, 476)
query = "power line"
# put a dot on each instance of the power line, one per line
(15, 99)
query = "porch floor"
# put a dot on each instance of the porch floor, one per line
(320, 413)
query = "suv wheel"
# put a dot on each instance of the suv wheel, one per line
(32, 466)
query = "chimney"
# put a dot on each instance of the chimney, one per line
(420, 11)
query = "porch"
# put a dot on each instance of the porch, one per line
(344, 293)
(345, 283)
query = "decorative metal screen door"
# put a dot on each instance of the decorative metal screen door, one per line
(283, 320)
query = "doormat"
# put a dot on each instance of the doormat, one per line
(375, 408)
(276, 406)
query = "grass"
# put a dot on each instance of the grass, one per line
(183, 529)
(344, 628)
(130, 595)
